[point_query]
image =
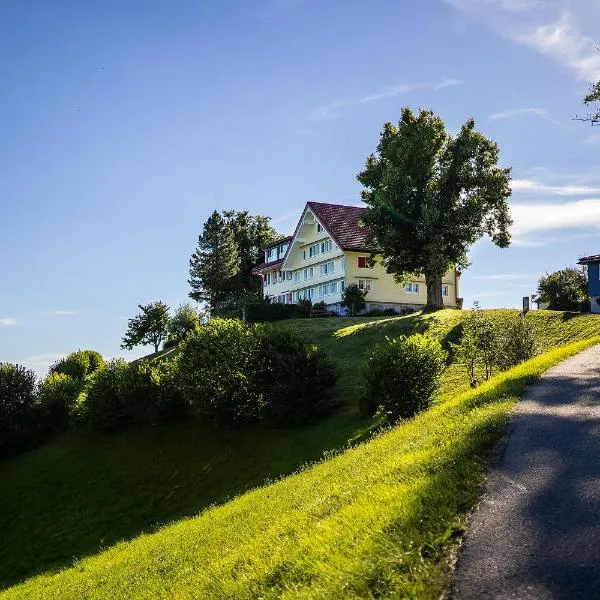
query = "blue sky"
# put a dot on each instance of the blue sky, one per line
(125, 124)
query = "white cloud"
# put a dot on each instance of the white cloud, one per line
(542, 113)
(550, 29)
(533, 186)
(333, 110)
(64, 312)
(529, 218)
(8, 322)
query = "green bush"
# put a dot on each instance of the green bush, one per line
(401, 375)
(214, 373)
(235, 374)
(17, 405)
(123, 394)
(57, 397)
(107, 405)
(79, 365)
(517, 342)
(291, 378)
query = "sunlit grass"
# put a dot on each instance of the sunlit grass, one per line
(377, 521)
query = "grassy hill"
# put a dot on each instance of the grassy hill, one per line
(81, 493)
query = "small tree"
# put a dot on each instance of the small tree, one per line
(184, 320)
(353, 299)
(564, 290)
(150, 326)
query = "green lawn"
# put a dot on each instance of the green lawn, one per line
(81, 493)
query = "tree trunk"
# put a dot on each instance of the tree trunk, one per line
(434, 292)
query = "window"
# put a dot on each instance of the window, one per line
(363, 262)
(343, 262)
(268, 279)
(444, 290)
(325, 246)
(288, 275)
(305, 274)
(313, 251)
(365, 284)
(271, 254)
(296, 276)
(333, 288)
(342, 286)
(319, 227)
(327, 268)
(283, 249)
(322, 290)
(411, 288)
(311, 273)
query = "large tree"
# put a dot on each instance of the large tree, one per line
(149, 326)
(431, 196)
(228, 249)
(214, 264)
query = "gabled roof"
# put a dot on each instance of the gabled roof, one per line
(266, 266)
(287, 238)
(342, 223)
(589, 259)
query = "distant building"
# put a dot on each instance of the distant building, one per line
(329, 251)
(593, 273)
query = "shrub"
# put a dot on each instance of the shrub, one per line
(478, 348)
(17, 399)
(517, 342)
(353, 299)
(106, 404)
(214, 372)
(184, 320)
(57, 397)
(290, 378)
(236, 374)
(402, 374)
(79, 365)
(260, 313)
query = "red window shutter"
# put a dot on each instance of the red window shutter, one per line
(362, 262)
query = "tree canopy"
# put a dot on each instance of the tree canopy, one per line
(564, 290)
(229, 247)
(353, 299)
(432, 195)
(149, 326)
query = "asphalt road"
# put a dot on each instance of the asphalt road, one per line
(536, 532)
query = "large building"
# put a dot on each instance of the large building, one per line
(329, 251)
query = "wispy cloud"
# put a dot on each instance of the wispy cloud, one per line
(504, 277)
(542, 113)
(8, 321)
(549, 28)
(532, 186)
(337, 108)
(530, 218)
(64, 312)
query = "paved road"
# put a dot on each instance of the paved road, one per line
(536, 533)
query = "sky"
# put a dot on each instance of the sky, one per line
(126, 123)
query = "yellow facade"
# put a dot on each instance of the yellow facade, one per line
(315, 267)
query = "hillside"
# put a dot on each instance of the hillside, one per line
(82, 493)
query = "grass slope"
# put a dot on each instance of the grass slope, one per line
(378, 521)
(82, 493)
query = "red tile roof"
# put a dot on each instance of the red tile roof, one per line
(266, 266)
(342, 222)
(589, 259)
(287, 238)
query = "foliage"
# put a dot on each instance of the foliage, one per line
(214, 372)
(149, 326)
(57, 398)
(125, 394)
(17, 398)
(592, 97)
(564, 290)
(78, 365)
(432, 195)
(353, 299)
(236, 374)
(229, 248)
(260, 313)
(478, 349)
(517, 343)
(402, 374)
(185, 319)
(291, 379)
(214, 264)
(305, 306)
